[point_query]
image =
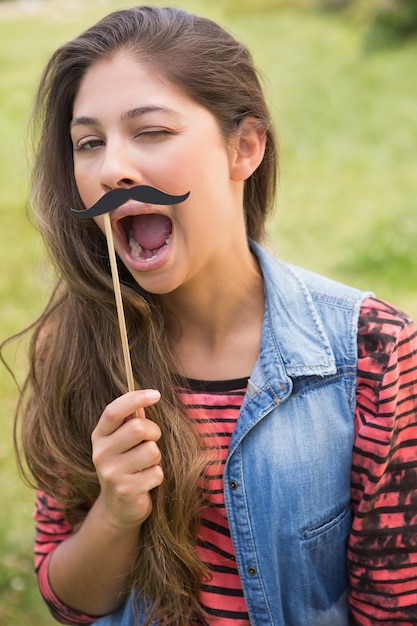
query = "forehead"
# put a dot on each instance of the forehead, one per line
(124, 78)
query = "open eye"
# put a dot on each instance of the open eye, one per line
(88, 144)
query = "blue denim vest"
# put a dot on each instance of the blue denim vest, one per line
(287, 476)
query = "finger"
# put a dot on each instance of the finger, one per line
(150, 478)
(114, 471)
(137, 492)
(128, 436)
(121, 408)
(142, 457)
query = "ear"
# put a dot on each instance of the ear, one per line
(248, 148)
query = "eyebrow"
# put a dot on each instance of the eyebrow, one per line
(129, 115)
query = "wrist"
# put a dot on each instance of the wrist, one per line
(113, 525)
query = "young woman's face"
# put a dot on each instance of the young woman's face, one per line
(130, 127)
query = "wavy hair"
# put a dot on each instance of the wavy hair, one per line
(76, 365)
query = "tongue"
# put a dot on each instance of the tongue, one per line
(151, 231)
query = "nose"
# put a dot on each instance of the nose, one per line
(119, 168)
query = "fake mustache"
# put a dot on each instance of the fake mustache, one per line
(116, 197)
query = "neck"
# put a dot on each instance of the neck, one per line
(215, 326)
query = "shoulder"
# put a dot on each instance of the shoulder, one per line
(297, 281)
(387, 366)
(383, 329)
(379, 314)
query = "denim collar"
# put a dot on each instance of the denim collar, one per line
(294, 341)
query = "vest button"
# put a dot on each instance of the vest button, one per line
(233, 484)
(251, 571)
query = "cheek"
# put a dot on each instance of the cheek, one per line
(80, 184)
(86, 188)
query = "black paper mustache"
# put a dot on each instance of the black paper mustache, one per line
(116, 197)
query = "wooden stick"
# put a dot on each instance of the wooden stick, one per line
(119, 302)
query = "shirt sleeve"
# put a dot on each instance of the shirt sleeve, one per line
(382, 549)
(51, 530)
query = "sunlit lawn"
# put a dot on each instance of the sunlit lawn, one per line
(347, 199)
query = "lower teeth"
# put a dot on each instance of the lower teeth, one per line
(138, 252)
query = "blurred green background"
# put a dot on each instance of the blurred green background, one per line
(340, 76)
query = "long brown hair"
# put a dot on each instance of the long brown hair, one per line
(76, 365)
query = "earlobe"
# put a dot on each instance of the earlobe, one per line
(249, 148)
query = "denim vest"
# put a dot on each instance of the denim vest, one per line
(287, 476)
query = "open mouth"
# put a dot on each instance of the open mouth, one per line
(147, 234)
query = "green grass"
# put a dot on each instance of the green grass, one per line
(347, 121)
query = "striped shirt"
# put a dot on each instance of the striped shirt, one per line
(382, 550)
(214, 409)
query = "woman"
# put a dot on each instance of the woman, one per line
(224, 490)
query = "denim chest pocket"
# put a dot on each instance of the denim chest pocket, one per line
(323, 547)
(336, 519)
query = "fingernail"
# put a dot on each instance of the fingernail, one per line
(152, 395)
